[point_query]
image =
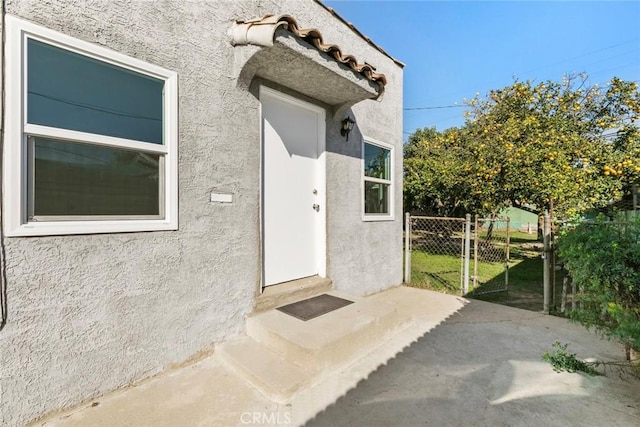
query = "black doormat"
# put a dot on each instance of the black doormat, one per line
(313, 307)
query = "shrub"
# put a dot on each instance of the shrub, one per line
(563, 361)
(603, 259)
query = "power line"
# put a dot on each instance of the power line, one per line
(462, 106)
(606, 70)
(433, 108)
(589, 53)
(607, 60)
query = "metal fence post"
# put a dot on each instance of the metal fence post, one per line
(552, 264)
(565, 287)
(506, 267)
(407, 248)
(547, 263)
(467, 252)
(475, 253)
(573, 295)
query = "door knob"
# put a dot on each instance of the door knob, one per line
(316, 207)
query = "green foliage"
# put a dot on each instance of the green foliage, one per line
(559, 143)
(437, 166)
(603, 259)
(563, 361)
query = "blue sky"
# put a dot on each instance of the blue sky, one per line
(453, 49)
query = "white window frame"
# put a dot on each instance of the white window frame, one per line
(15, 156)
(378, 217)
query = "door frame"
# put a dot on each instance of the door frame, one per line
(321, 225)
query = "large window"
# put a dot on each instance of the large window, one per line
(378, 180)
(91, 137)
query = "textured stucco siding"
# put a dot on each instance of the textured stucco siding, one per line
(92, 313)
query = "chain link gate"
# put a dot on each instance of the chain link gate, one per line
(435, 255)
(491, 240)
(439, 252)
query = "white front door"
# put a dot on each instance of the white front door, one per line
(293, 188)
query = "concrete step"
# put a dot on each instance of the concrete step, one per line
(288, 292)
(275, 377)
(328, 341)
(282, 356)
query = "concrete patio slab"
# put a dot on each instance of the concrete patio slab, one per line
(480, 366)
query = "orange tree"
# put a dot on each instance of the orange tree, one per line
(436, 166)
(562, 146)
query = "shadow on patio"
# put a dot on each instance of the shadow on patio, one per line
(482, 366)
(458, 362)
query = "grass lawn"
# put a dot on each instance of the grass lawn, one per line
(436, 272)
(442, 273)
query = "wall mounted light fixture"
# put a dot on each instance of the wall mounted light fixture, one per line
(347, 127)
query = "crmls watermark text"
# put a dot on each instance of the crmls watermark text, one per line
(271, 418)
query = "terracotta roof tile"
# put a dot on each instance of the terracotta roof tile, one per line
(355, 30)
(261, 31)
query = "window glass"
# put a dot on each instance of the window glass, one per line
(71, 91)
(376, 198)
(377, 162)
(81, 179)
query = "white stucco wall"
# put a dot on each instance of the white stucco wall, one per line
(91, 313)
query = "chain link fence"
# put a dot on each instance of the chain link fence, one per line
(455, 255)
(491, 240)
(436, 247)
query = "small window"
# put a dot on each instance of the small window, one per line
(378, 180)
(91, 141)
